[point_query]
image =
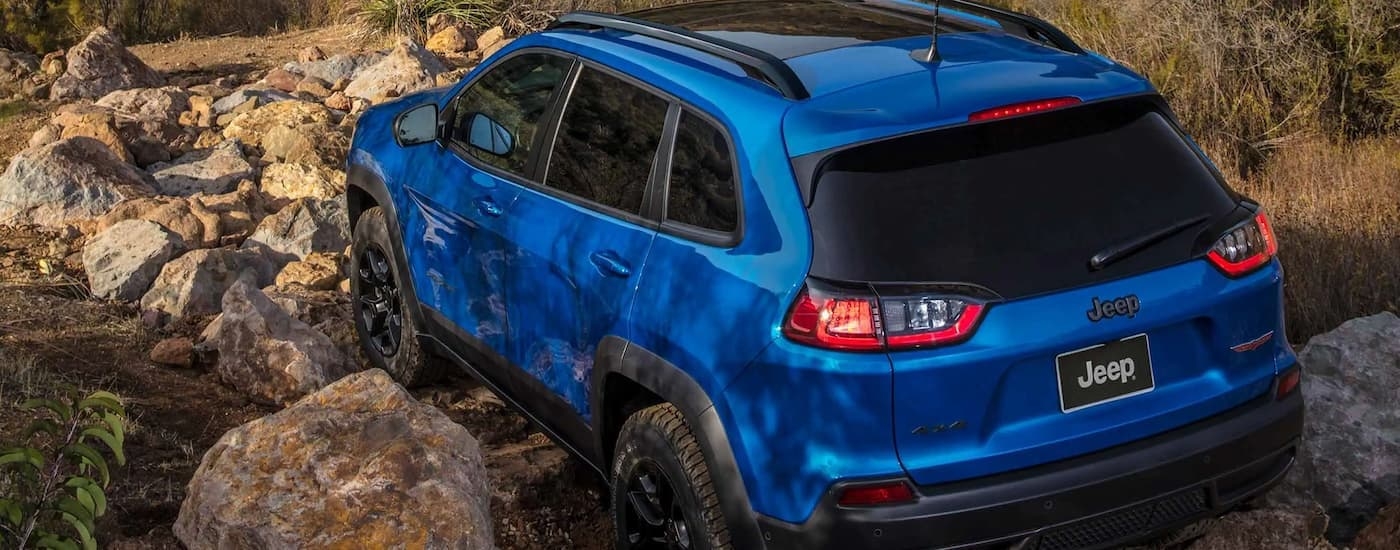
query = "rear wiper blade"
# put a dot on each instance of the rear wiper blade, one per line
(1122, 250)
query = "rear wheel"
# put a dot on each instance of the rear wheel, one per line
(662, 495)
(382, 321)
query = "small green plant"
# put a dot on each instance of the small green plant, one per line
(55, 481)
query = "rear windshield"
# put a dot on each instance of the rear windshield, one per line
(1018, 206)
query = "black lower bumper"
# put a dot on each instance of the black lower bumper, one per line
(1094, 501)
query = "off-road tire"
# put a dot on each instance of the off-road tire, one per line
(410, 364)
(659, 435)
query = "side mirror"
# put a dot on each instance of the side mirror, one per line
(486, 134)
(417, 126)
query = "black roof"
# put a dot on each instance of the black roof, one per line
(793, 28)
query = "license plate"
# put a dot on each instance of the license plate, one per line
(1107, 372)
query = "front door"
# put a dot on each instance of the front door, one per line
(460, 193)
(579, 241)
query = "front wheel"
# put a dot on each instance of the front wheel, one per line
(381, 315)
(662, 495)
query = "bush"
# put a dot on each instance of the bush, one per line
(55, 480)
(410, 17)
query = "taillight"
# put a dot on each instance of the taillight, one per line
(1246, 247)
(1018, 109)
(893, 492)
(832, 318)
(1288, 383)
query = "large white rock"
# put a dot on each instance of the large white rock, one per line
(407, 69)
(123, 260)
(100, 65)
(267, 354)
(66, 181)
(300, 228)
(359, 464)
(210, 171)
(152, 103)
(296, 180)
(1350, 464)
(344, 66)
(194, 284)
(263, 96)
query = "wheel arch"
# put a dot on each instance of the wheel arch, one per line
(627, 377)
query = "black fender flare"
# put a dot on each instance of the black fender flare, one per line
(617, 356)
(358, 177)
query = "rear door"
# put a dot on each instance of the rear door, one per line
(1070, 357)
(579, 241)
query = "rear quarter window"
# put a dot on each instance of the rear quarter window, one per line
(702, 186)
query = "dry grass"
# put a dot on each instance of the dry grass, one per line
(1337, 212)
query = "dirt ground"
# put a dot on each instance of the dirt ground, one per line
(52, 335)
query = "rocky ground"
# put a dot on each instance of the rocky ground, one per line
(173, 227)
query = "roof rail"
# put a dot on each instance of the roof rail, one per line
(1028, 26)
(773, 71)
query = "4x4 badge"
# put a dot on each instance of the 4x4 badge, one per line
(1127, 305)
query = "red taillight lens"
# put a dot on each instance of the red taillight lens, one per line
(1245, 248)
(833, 321)
(1288, 383)
(1018, 109)
(856, 321)
(894, 492)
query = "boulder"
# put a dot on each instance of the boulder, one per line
(300, 228)
(265, 353)
(408, 68)
(210, 171)
(1350, 460)
(238, 212)
(201, 111)
(53, 63)
(194, 284)
(67, 181)
(310, 54)
(491, 38)
(45, 135)
(257, 96)
(488, 51)
(251, 127)
(339, 101)
(196, 226)
(344, 66)
(289, 181)
(451, 40)
(16, 66)
(358, 464)
(1383, 533)
(1264, 530)
(174, 352)
(123, 260)
(314, 87)
(282, 79)
(314, 143)
(156, 103)
(319, 271)
(97, 125)
(147, 132)
(100, 65)
(328, 311)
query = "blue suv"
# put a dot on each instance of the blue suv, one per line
(835, 274)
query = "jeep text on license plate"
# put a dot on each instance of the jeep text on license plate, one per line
(1103, 373)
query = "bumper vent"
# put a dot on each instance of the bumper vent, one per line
(1115, 526)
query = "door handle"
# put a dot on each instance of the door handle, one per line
(488, 207)
(608, 263)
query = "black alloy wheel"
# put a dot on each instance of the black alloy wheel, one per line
(655, 519)
(380, 308)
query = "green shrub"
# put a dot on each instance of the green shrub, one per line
(55, 481)
(410, 17)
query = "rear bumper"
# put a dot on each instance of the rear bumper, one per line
(1093, 501)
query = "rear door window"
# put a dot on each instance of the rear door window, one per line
(702, 190)
(607, 142)
(1018, 206)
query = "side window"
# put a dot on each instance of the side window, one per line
(607, 141)
(497, 116)
(702, 189)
